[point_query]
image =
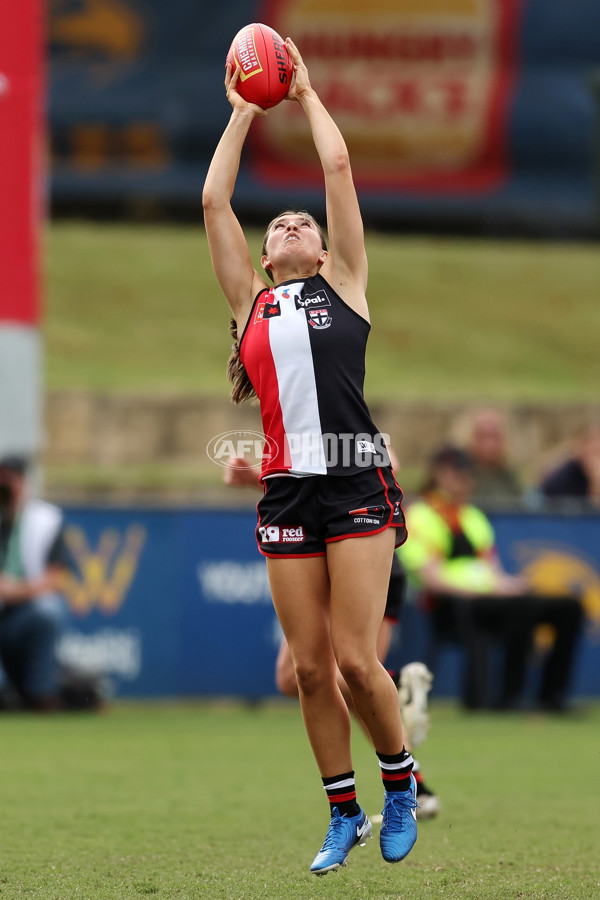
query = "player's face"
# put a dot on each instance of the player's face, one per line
(294, 239)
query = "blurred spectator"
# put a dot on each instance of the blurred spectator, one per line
(579, 476)
(472, 600)
(32, 562)
(483, 433)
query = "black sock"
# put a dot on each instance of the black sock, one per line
(341, 792)
(395, 770)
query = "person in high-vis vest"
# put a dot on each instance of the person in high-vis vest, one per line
(451, 556)
(33, 560)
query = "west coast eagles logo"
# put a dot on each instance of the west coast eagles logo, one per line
(104, 573)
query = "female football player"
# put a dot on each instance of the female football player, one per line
(331, 511)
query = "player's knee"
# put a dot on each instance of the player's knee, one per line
(355, 671)
(310, 677)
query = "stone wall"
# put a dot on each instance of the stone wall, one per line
(107, 430)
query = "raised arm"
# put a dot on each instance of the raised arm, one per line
(346, 266)
(228, 248)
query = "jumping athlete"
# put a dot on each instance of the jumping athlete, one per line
(331, 512)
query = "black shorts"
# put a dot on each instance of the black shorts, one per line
(298, 517)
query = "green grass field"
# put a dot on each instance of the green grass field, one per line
(223, 802)
(137, 308)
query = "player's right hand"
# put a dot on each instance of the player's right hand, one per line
(236, 99)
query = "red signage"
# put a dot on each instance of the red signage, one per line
(419, 88)
(20, 159)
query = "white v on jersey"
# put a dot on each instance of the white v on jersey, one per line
(304, 351)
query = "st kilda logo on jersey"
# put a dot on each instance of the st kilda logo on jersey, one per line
(319, 318)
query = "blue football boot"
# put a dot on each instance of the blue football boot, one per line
(399, 826)
(344, 833)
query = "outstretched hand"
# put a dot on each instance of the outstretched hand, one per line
(239, 472)
(235, 98)
(301, 84)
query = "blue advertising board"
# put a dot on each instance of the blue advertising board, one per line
(176, 602)
(170, 602)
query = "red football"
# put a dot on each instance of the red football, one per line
(265, 65)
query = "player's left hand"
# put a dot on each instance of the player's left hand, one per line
(301, 84)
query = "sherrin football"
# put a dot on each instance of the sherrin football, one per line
(265, 65)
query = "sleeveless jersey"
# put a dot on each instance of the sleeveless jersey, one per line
(304, 351)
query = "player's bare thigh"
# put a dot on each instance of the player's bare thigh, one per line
(300, 591)
(359, 570)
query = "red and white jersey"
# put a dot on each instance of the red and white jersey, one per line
(304, 351)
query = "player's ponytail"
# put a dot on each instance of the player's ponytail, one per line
(236, 373)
